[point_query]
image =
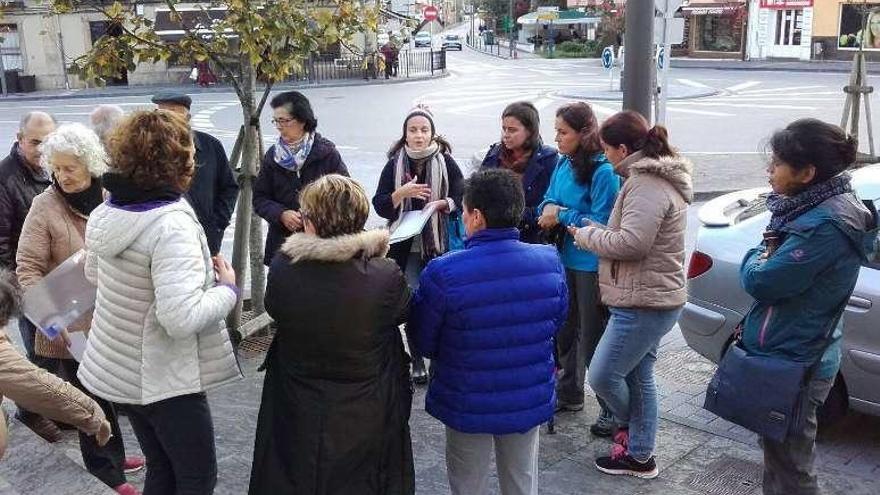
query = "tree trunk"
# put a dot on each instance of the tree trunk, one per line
(258, 269)
(243, 219)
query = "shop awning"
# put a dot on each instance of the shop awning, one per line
(560, 17)
(711, 7)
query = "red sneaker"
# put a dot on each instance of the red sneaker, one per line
(133, 464)
(126, 489)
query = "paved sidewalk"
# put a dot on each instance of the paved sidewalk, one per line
(772, 65)
(697, 453)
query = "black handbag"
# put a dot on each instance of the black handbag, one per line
(767, 395)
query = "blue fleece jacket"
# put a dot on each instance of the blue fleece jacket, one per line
(593, 201)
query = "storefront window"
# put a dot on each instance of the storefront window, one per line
(718, 33)
(789, 26)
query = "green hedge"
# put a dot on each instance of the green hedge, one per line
(578, 49)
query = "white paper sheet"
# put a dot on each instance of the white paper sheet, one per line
(77, 347)
(61, 297)
(411, 224)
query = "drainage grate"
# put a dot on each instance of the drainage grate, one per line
(255, 345)
(729, 476)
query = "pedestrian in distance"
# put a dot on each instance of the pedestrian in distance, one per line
(214, 190)
(522, 151)
(35, 388)
(334, 416)
(299, 156)
(420, 173)
(158, 340)
(22, 178)
(53, 231)
(641, 279)
(802, 276)
(103, 119)
(583, 188)
(487, 316)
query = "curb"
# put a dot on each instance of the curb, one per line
(700, 196)
(151, 90)
(599, 97)
(826, 70)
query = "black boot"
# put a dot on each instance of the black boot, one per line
(419, 373)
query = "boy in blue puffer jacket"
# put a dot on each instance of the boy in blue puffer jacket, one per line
(486, 317)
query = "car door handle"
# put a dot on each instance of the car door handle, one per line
(859, 302)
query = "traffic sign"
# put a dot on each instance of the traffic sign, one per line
(608, 58)
(430, 13)
(661, 58)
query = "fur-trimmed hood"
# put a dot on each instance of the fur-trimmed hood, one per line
(677, 170)
(307, 247)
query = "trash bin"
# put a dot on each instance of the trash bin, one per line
(12, 82)
(27, 84)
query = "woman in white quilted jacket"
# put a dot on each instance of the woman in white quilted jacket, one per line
(158, 340)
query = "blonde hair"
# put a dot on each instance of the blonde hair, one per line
(335, 205)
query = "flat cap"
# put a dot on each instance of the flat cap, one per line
(175, 97)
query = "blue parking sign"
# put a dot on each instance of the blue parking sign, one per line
(607, 57)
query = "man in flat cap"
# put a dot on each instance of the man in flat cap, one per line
(214, 190)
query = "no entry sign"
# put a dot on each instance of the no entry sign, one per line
(430, 13)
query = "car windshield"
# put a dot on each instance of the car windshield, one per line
(452, 37)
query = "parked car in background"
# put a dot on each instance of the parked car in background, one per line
(731, 225)
(422, 39)
(452, 42)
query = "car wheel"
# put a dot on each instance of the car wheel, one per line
(835, 406)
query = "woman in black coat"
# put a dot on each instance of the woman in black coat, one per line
(334, 417)
(299, 157)
(420, 172)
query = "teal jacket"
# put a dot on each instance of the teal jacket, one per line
(799, 290)
(579, 202)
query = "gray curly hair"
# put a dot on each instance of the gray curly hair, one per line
(79, 141)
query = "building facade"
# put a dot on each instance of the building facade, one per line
(838, 29)
(714, 28)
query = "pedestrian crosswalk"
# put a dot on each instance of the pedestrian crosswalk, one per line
(545, 82)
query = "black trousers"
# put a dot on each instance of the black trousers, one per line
(177, 438)
(104, 463)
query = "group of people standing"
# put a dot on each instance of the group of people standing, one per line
(571, 271)
(566, 267)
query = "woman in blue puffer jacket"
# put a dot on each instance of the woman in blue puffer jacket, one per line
(802, 275)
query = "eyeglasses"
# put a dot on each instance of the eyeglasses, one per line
(282, 122)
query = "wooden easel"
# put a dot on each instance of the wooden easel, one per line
(856, 91)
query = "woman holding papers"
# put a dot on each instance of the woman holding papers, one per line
(158, 339)
(420, 173)
(334, 417)
(53, 231)
(583, 188)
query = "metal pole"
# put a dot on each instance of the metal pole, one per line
(667, 61)
(639, 41)
(63, 55)
(3, 88)
(510, 27)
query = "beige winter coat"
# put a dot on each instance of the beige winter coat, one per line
(641, 250)
(52, 232)
(43, 393)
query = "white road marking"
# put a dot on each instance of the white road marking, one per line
(744, 85)
(692, 83)
(783, 90)
(698, 112)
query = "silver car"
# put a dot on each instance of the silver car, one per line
(731, 225)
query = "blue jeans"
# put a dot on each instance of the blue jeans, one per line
(622, 372)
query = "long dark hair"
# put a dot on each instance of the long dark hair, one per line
(580, 117)
(398, 145)
(629, 128)
(813, 142)
(528, 116)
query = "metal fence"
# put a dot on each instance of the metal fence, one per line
(410, 63)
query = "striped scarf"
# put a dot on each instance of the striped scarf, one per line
(434, 236)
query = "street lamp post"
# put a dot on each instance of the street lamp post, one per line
(639, 43)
